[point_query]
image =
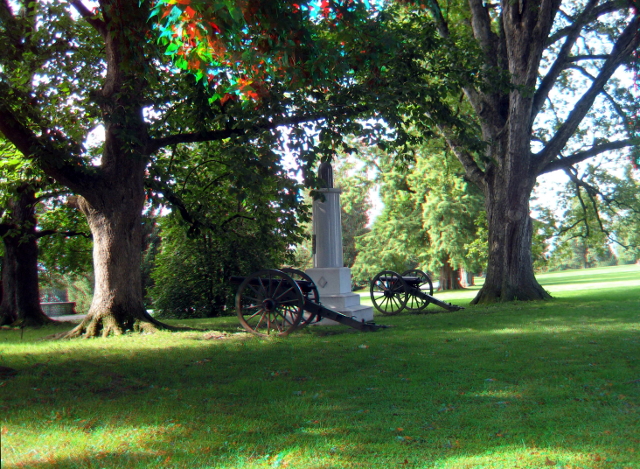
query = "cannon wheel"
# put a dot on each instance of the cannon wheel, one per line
(312, 295)
(389, 292)
(415, 304)
(269, 302)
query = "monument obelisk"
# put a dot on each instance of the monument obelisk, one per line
(330, 275)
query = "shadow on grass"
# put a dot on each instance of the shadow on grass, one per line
(435, 388)
(95, 460)
(523, 384)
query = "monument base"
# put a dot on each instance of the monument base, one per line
(334, 288)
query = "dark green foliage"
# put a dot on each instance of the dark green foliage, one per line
(432, 217)
(352, 178)
(235, 211)
(67, 247)
(191, 277)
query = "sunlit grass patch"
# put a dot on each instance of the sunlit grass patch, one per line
(522, 385)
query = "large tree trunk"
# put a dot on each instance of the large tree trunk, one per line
(114, 214)
(510, 273)
(509, 176)
(114, 200)
(21, 299)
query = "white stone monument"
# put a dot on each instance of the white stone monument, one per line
(330, 275)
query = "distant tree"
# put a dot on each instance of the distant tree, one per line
(451, 211)
(396, 238)
(24, 192)
(600, 212)
(65, 254)
(21, 296)
(431, 217)
(351, 176)
(21, 235)
(544, 231)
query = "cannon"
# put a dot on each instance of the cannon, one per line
(278, 302)
(392, 293)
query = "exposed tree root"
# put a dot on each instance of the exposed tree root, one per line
(488, 295)
(107, 324)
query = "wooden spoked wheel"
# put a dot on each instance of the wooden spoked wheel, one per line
(269, 302)
(389, 292)
(422, 283)
(309, 291)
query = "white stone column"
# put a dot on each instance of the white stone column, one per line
(327, 230)
(329, 274)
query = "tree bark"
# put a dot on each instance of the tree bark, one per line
(510, 274)
(449, 279)
(116, 224)
(114, 200)
(506, 121)
(21, 297)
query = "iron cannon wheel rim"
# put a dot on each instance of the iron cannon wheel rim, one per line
(389, 292)
(313, 295)
(415, 304)
(269, 303)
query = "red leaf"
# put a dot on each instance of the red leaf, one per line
(189, 12)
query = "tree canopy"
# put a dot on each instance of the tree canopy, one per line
(546, 97)
(249, 76)
(430, 219)
(245, 76)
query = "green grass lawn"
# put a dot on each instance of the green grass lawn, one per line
(526, 385)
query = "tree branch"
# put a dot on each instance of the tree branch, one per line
(216, 135)
(436, 12)
(173, 199)
(68, 234)
(580, 58)
(568, 161)
(235, 217)
(547, 83)
(623, 48)
(90, 17)
(598, 11)
(481, 25)
(56, 162)
(613, 102)
(471, 168)
(49, 195)
(191, 137)
(592, 193)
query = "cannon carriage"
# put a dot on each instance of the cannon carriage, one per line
(392, 293)
(278, 302)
